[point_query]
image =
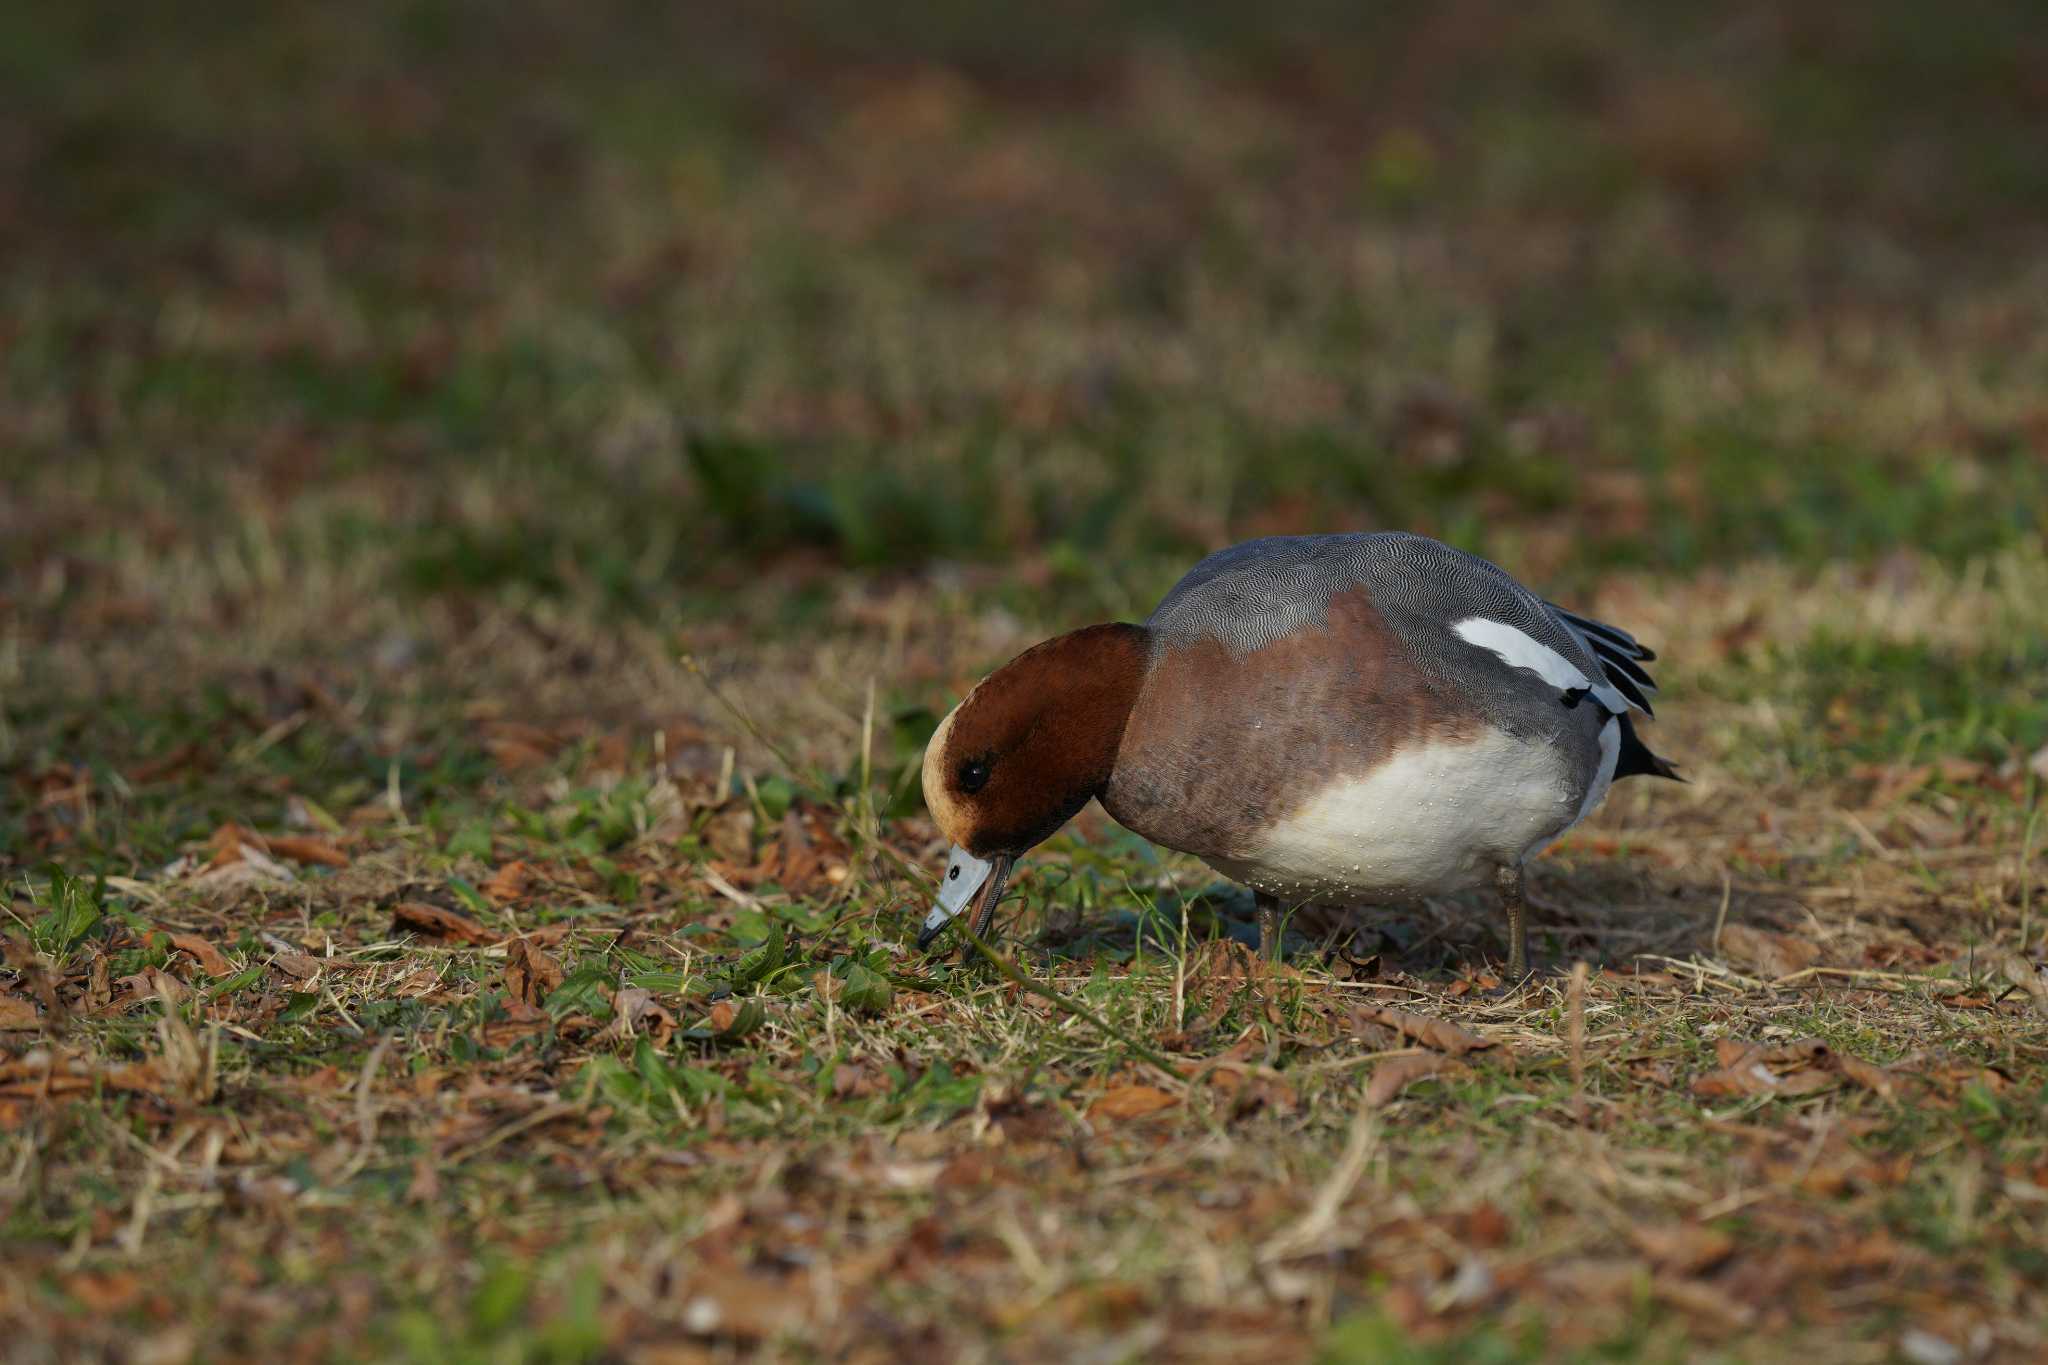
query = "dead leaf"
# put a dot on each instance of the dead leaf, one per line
(1126, 1102)
(1706, 1300)
(1774, 955)
(2028, 977)
(1683, 1248)
(298, 966)
(633, 1006)
(301, 848)
(1870, 1076)
(1750, 1078)
(530, 974)
(1799, 1067)
(103, 1293)
(1396, 1074)
(508, 883)
(515, 745)
(852, 1079)
(439, 923)
(730, 1302)
(1440, 1034)
(224, 845)
(729, 834)
(17, 1013)
(205, 954)
(1780, 1056)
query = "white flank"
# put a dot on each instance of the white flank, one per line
(1522, 650)
(1433, 819)
(1603, 776)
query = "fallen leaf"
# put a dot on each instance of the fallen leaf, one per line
(633, 1006)
(1396, 1074)
(1774, 955)
(109, 1292)
(1440, 1034)
(730, 1302)
(298, 966)
(301, 848)
(1799, 1067)
(515, 745)
(2028, 977)
(1131, 1102)
(851, 1079)
(508, 883)
(1697, 1296)
(1683, 1248)
(730, 1020)
(205, 954)
(1780, 1056)
(1870, 1076)
(440, 923)
(17, 1013)
(729, 833)
(1745, 1078)
(224, 845)
(530, 974)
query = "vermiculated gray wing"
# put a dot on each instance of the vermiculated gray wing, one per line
(1252, 594)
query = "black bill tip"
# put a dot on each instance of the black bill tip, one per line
(930, 932)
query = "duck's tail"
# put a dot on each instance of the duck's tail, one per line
(1636, 760)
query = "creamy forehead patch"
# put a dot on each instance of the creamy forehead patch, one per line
(945, 810)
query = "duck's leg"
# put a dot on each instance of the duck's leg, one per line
(1509, 880)
(1269, 925)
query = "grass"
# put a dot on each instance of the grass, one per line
(407, 956)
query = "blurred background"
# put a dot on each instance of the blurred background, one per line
(355, 332)
(639, 301)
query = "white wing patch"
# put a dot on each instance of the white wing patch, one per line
(1519, 649)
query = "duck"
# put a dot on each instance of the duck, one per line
(1345, 720)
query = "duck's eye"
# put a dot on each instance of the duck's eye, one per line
(973, 775)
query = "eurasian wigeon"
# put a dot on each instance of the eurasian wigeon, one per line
(1331, 720)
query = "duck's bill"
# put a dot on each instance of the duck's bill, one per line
(968, 880)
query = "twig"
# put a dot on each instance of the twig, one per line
(547, 1113)
(1315, 1224)
(1577, 1010)
(1720, 919)
(1856, 973)
(696, 670)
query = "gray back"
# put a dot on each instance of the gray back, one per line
(1252, 594)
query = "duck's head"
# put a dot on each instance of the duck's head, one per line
(1022, 754)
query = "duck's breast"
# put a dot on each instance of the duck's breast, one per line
(1225, 745)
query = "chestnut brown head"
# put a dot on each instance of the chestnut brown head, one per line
(1024, 752)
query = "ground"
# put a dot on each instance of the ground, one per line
(495, 498)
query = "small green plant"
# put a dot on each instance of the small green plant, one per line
(71, 907)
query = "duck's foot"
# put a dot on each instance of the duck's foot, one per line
(1509, 880)
(1270, 927)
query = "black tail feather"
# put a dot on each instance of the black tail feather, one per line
(1636, 760)
(1614, 635)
